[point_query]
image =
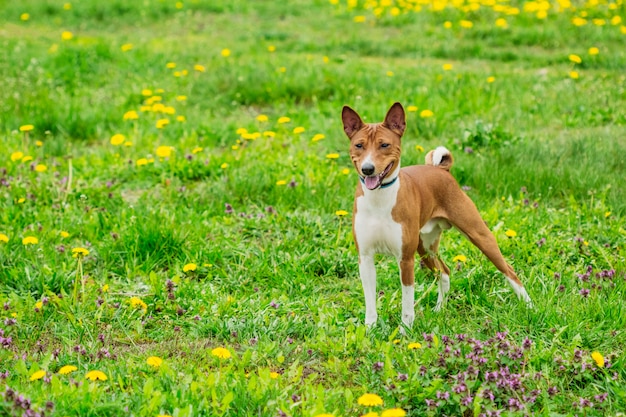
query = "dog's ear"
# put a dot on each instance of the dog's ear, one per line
(352, 122)
(395, 119)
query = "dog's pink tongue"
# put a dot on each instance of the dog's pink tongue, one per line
(371, 182)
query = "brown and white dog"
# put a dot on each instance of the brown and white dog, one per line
(403, 211)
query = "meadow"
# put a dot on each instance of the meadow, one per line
(176, 195)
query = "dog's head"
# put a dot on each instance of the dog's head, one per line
(375, 147)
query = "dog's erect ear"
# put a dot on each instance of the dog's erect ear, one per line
(352, 122)
(395, 119)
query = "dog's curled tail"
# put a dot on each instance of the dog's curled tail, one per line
(440, 157)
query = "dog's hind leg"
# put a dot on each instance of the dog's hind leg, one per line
(428, 250)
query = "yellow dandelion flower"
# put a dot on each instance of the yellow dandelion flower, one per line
(67, 35)
(317, 137)
(411, 109)
(281, 182)
(389, 73)
(141, 162)
(426, 114)
(271, 48)
(419, 148)
(371, 414)
(414, 345)
(225, 52)
(27, 158)
(67, 6)
(79, 252)
(154, 361)
(67, 369)
(117, 139)
(39, 305)
(197, 149)
(466, 24)
(161, 123)
(38, 375)
(164, 151)
(262, 118)
(447, 24)
(39, 143)
(345, 171)
(447, 67)
(221, 353)
(96, 376)
(4, 238)
(332, 156)
(598, 359)
(274, 375)
(599, 22)
(616, 20)
(579, 21)
(126, 47)
(491, 79)
(574, 75)
(224, 165)
(607, 214)
(16, 156)
(241, 131)
(24, 17)
(131, 115)
(105, 288)
(459, 258)
(593, 51)
(199, 68)
(359, 19)
(179, 5)
(190, 267)
(298, 130)
(501, 23)
(30, 240)
(510, 233)
(575, 59)
(181, 118)
(370, 400)
(137, 302)
(169, 110)
(170, 65)
(26, 128)
(146, 92)
(181, 98)
(393, 412)
(341, 213)
(283, 119)
(269, 134)
(623, 30)
(20, 200)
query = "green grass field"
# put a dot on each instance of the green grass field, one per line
(174, 180)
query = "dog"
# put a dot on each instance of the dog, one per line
(402, 211)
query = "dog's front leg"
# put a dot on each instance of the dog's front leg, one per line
(407, 274)
(367, 270)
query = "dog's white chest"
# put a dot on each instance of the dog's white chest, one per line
(374, 227)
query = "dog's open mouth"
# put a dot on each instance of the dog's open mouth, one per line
(372, 182)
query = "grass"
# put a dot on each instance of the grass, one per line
(220, 228)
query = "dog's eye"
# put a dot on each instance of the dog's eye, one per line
(384, 145)
(359, 146)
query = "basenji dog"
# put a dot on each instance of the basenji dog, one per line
(402, 211)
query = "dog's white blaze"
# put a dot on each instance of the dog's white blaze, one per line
(520, 291)
(376, 232)
(408, 301)
(368, 160)
(439, 153)
(444, 287)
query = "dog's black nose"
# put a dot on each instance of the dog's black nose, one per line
(367, 169)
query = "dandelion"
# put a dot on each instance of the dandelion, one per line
(411, 109)
(593, 51)
(389, 73)
(96, 376)
(38, 375)
(393, 412)
(164, 151)
(447, 24)
(4, 238)
(190, 267)
(67, 369)
(447, 67)
(370, 400)
(283, 119)
(131, 115)
(598, 359)
(141, 162)
(510, 233)
(26, 128)
(221, 353)
(79, 252)
(30, 240)
(341, 213)
(491, 79)
(181, 119)
(298, 130)
(575, 59)
(161, 123)
(126, 47)
(281, 182)
(24, 17)
(466, 24)
(359, 19)
(154, 361)
(197, 149)
(39, 305)
(501, 23)
(414, 345)
(136, 302)
(199, 68)
(262, 118)
(67, 35)
(41, 168)
(332, 155)
(574, 75)
(426, 114)
(269, 134)
(67, 6)
(317, 137)
(146, 92)
(579, 21)
(27, 158)
(459, 258)
(225, 52)
(345, 171)
(224, 165)
(15, 156)
(274, 375)
(118, 138)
